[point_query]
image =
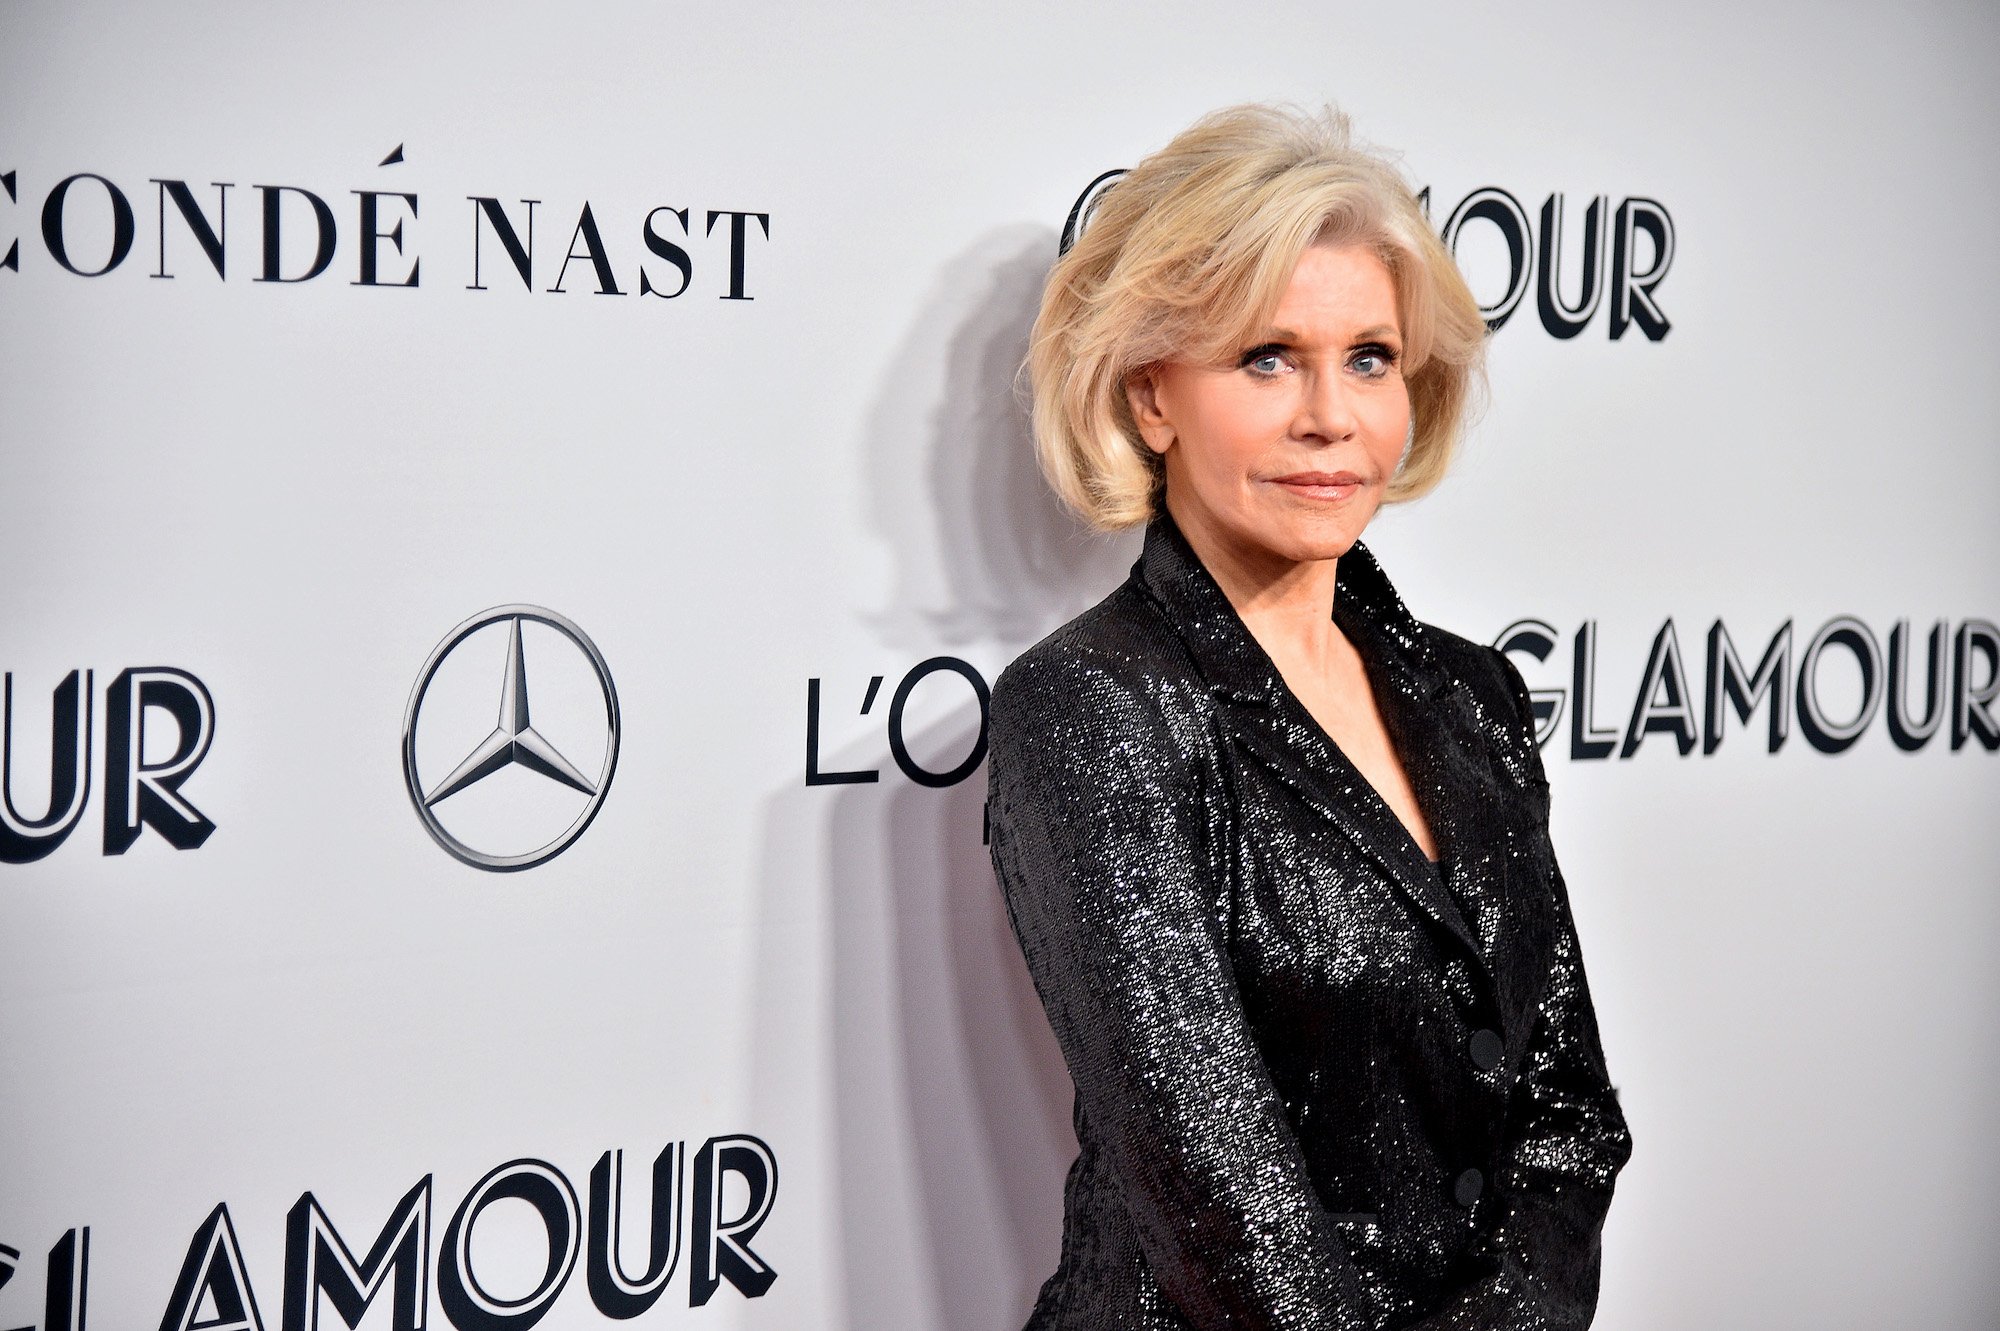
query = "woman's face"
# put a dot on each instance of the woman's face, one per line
(1282, 454)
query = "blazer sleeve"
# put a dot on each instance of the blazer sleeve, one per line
(1566, 1139)
(1098, 841)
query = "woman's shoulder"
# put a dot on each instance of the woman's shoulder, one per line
(1122, 654)
(1471, 662)
(1109, 704)
(1484, 671)
(1492, 681)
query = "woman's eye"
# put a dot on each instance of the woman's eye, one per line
(1373, 362)
(1265, 361)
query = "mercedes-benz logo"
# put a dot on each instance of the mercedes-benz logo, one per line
(507, 789)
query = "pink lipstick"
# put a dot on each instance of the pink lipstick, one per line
(1320, 484)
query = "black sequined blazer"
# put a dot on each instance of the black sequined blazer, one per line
(1321, 1082)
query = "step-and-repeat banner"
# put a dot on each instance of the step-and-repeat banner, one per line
(510, 515)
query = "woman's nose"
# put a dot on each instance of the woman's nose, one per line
(1326, 409)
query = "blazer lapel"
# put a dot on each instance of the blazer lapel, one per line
(1320, 775)
(1268, 722)
(1450, 749)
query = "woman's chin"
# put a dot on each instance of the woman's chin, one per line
(1321, 538)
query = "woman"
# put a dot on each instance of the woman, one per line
(1277, 853)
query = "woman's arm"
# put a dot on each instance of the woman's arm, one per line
(1114, 891)
(1566, 1141)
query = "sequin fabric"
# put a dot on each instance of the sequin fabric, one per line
(1320, 1082)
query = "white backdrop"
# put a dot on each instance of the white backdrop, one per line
(291, 492)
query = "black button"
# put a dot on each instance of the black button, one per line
(1470, 1184)
(1487, 1050)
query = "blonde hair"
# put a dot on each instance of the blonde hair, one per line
(1189, 253)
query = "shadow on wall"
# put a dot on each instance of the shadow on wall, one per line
(976, 1093)
(982, 549)
(942, 1122)
(950, 1102)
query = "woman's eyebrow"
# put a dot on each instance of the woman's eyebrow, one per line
(1286, 337)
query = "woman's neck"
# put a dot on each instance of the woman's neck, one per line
(1286, 604)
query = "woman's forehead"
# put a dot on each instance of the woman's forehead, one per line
(1339, 284)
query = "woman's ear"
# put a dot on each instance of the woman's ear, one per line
(1142, 395)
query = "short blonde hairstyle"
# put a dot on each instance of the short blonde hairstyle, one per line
(1187, 257)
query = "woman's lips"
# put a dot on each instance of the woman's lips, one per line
(1320, 484)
